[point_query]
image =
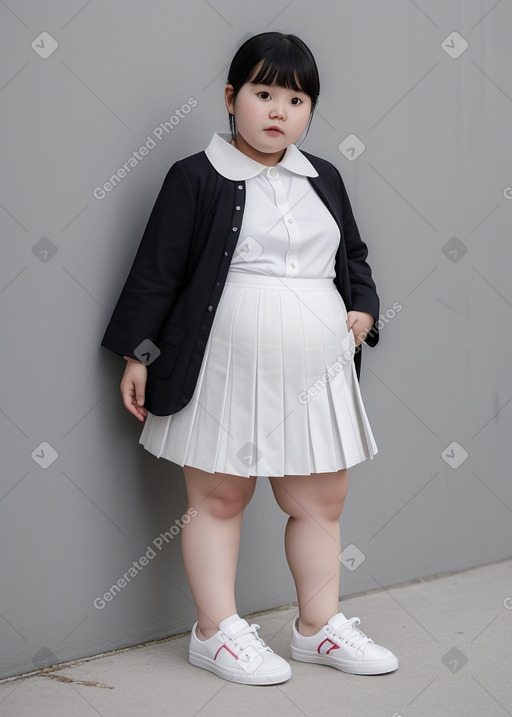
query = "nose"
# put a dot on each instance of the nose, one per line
(278, 110)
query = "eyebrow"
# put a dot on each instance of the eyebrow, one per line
(263, 84)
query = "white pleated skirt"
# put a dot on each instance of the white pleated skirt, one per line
(277, 393)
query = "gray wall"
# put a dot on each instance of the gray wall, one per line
(432, 196)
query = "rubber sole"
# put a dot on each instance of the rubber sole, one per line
(354, 668)
(239, 676)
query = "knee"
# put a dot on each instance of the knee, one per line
(220, 495)
(329, 512)
(319, 511)
(331, 509)
(227, 505)
(323, 505)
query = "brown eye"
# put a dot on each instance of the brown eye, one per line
(264, 93)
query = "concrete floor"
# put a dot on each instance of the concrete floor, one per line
(452, 635)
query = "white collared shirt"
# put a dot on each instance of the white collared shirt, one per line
(286, 228)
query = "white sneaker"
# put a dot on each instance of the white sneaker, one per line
(238, 654)
(341, 645)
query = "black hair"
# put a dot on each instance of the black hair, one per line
(288, 62)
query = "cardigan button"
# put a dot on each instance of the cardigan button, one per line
(225, 253)
(238, 209)
(240, 186)
(210, 308)
(235, 229)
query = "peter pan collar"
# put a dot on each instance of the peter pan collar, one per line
(234, 164)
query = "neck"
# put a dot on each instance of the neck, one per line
(269, 159)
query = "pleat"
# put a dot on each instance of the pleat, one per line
(354, 431)
(214, 395)
(239, 440)
(317, 409)
(262, 404)
(268, 430)
(340, 390)
(297, 447)
(370, 447)
(332, 360)
(157, 437)
(331, 453)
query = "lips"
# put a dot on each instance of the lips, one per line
(274, 128)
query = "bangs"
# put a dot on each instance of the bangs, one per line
(289, 69)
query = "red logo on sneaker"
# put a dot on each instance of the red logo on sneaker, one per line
(226, 648)
(324, 649)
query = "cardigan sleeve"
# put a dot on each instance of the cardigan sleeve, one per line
(363, 290)
(158, 270)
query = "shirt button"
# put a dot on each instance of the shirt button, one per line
(290, 220)
(293, 266)
(273, 172)
(210, 308)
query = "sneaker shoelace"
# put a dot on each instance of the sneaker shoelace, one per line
(247, 642)
(351, 635)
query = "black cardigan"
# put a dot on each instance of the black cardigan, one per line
(176, 280)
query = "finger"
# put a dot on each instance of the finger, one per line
(129, 404)
(357, 338)
(138, 400)
(139, 413)
(351, 322)
(139, 393)
(128, 392)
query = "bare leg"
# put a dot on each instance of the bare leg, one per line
(312, 542)
(210, 542)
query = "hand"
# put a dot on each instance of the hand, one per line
(133, 385)
(361, 322)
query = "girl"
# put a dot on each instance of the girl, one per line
(241, 322)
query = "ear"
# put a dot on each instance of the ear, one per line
(228, 98)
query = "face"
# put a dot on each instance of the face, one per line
(260, 107)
